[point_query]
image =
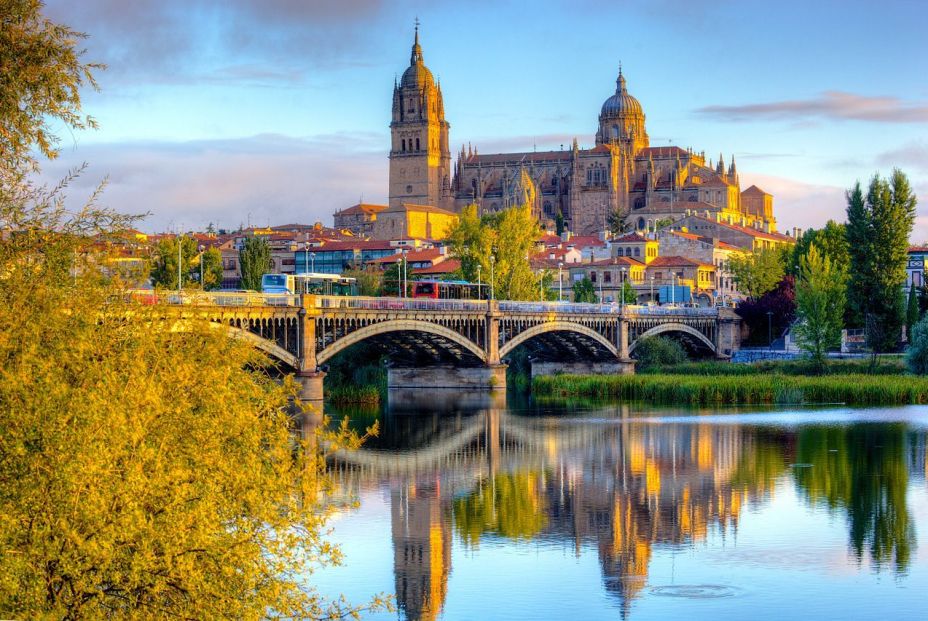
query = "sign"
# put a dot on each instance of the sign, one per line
(916, 263)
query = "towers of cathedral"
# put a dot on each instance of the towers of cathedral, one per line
(420, 158)
(621, 175)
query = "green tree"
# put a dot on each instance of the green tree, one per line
(164, 264)
(912, 311)
(655, 352)
(831, 241)
(878, 232)
(559, 223)
(509, 238)
(820, 303)
(392, 280)
(585, 291)
(369, 279)
(758, 272)
(916, 356)
(211, 260)
(254, 261)
(628, 293)
(43, 73)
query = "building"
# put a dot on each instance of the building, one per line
(915, 269)
(359, 219)
(621, 174)
(741, 235)
(706, 250)
(636, 246)
(681, 271)
(409, 221)
(609, 276)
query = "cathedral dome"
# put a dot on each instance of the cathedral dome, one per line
(621, 104)
(417, 74)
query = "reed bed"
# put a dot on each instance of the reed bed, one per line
(851, 389)
(885, 366)
(347, 395)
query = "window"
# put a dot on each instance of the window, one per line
(628, 252)
(409, 189)
(417, 144)
(615, 131)
(607, 276)
(637, 252)
(593, 276)
(404, 144)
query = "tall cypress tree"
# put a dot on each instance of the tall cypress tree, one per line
(255, 261)
(878, 232)
(912, 313)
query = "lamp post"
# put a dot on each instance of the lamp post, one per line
(623, 289)
(479, 284)
(202, 284)
(492, 277)
(560, 282)
(180, 245)
(770, 330)
(405, 272)
(312, 264)
(652, 287)
(673, 289)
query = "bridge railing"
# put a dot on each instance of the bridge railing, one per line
(214, 298)
(599, 309)
(372, 303)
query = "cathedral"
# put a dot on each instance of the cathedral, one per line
(622, 174)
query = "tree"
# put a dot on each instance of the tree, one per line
(559, 223)
(254, 260)
(878, 230)
(43, 73)
(147, 472)
(509, 237)
(820, 303)
(916, 356)
(831, 242)
(758, 272)
(628, 292)
(369, 279)
(164, 267)
(775, 311)
(392, 280)
(585, 291)
(912, 313)
(654, 352)
(211, 260)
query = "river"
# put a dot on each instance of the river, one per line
(472, 508)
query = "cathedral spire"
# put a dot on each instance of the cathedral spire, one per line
(620, 82)
(720, 166)
(416, 56)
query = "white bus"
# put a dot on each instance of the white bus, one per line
(318, 284)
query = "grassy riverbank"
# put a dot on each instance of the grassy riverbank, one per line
(849, 382)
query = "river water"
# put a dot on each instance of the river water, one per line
(469, 508)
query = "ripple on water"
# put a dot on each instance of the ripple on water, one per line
(695, 591)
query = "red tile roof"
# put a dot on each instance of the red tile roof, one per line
(620, 261)
(661, 152)
(426, 254)
(444, 267)
(674, 261)
(630, 238)
(360, 208)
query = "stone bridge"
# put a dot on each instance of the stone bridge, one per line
(455, 343)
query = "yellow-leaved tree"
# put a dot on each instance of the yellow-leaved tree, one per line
(149, 469)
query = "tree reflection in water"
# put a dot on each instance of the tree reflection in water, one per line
(862, 470)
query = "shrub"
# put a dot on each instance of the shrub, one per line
(657, 351)
(917, 356)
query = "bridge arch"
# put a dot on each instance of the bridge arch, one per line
(269, 347)
(557, 326)
(401, 325)
(674, 327)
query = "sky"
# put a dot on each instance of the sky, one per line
(237, 112)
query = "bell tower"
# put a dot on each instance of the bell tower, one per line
(420, 157)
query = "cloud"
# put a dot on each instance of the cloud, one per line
(181, 41)
(913, 155)
(830, 105)
(810, 205)
(269, 179)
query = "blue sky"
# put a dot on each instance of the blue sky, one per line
(235, 111)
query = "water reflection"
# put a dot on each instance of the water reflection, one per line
(622, 485)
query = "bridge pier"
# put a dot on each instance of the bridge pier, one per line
(490, 377)
(617, 367)
(311, 387)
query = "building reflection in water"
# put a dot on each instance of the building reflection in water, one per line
(621, 488)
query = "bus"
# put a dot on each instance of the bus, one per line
(317, 284)
(449, 290)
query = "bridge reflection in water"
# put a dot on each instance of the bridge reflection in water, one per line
(613, 481)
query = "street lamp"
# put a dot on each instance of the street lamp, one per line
(180, 245)
(479, 284)
(673, 288)
(622, 288)
(399, 275)
(770, 330)
(652, 287)
(202, 285)
(560, 282)
(492, 277)
(312, 264)
(405, 271)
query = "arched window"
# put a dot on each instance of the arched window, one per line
(404, 144)
(637, 252)
(615, 131)
(628, 252)
(417, 144)
(641, 222)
